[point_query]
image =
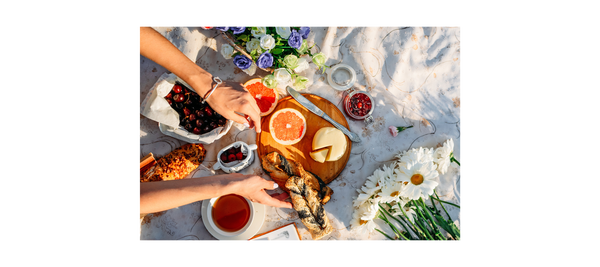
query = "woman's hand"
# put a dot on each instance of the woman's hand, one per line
(253, 188)
(231, 97)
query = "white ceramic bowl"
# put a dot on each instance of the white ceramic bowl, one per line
(212, 224)
(236, 167)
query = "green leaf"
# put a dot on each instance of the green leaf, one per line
(276, 51)
(243, 37)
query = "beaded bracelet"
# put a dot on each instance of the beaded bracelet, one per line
(207, 95)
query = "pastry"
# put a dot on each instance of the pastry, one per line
(281, 169)
(307, 203)
(176, 165)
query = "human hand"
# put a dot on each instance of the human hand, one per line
(253, 188)
(231, 97)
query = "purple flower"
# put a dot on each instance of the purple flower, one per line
(265, 60)
(238, 30)
(223, 29)
(304, 31)
(295, 39)
(242, 62)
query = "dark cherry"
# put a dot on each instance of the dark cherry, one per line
(170, 102)
(221, 122)
(179, 98)
(177, 88)
(169, 95)
(199, 123)
(231, 157)
(208, 111)
(192, 117)
(206, 129)
(200, 114)
(224, 157)
(239, 156)
(186, 111)
(196, 130)
(213, 124)
(189, 127)
(179, 105)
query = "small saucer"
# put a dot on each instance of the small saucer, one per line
(257, 218)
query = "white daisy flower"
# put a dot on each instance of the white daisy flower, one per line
(390, 192)
(442, 156)
(419, 177)
(362, 219)
(371, 188)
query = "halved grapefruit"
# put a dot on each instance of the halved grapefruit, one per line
(287, 126)
(265, 97)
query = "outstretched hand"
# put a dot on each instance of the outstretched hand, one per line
(253, 188)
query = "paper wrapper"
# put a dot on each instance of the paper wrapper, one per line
(156, 108)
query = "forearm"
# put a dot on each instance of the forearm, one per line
(164, 195)
(157, 48)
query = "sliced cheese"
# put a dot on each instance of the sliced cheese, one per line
(320, 155)
(330, 137)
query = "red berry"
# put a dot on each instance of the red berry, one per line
(178, 98)
(208, 111)
(224, 157)
(239, 156)
(177, 88)
(196, 130)
(169, 95)
(186, 111)
(231, 157)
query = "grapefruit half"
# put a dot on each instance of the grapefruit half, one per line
(287, 126)
(265, 97)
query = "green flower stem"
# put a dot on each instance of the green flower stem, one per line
(433, 204)
(419, 233)
(384, 234)
(434, 225)
(404, 224)
(428, 227)
(453, 159)
(382, 217)
(390, 223)
(447, 214)
(449, 203)
(424, 229)
(399, 222)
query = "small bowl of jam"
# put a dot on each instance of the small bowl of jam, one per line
(359, 105)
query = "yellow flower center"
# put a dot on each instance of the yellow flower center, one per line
(416, 179)
(362, 222)
(395, 194)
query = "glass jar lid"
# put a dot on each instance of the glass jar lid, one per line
(341, 77)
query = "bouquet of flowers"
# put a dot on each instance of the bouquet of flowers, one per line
(282, 51)
(400, 191)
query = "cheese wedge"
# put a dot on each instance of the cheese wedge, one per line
(320, 155)
(333, 138)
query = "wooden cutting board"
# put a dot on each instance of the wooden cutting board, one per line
(327, 170)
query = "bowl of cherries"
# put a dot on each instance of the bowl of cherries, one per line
(359, 105)
(235, 157)
(195, 117)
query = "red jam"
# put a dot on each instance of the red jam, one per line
(358, 105)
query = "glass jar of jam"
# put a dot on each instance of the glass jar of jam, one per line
(359, 105)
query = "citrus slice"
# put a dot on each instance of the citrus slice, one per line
(265, 97)
(287, 126)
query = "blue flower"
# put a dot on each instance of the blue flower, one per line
(242, 62)
(265, 60)
(238, 30)
(223, 29)
(304, 31)
(295, 39)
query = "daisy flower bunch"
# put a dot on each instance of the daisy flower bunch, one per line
(399, 193)
(281, 51)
